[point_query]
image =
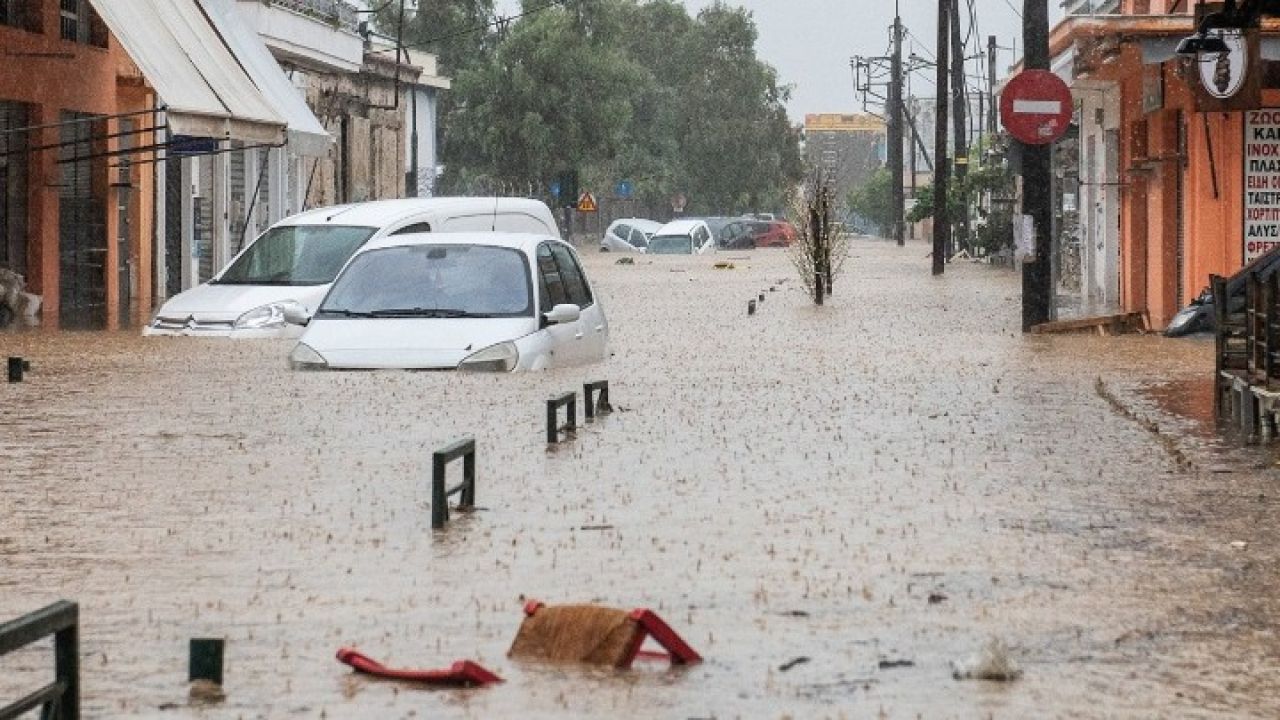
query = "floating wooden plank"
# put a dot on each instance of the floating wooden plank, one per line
(1102, 324)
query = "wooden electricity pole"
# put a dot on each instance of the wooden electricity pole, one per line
(896, 130)
(959, 121)
(941, 162)
(1037, 282)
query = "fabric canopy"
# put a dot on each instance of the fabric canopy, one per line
(205, 90)
(306, 135)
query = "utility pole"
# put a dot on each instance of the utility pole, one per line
(991, 85)
(1037, 284)
(941, 164)
(960, 123)
(896, 130)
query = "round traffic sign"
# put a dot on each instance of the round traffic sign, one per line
(1036, 107)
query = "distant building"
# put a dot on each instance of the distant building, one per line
(847, 147)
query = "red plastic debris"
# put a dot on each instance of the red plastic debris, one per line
(462, 672)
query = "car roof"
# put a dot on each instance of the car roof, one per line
(679, 227)
(638, 222)
(524, 242)
(380, 213)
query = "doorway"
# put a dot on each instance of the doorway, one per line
(82, 227)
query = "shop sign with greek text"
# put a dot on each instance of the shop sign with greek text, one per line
(1261, 181)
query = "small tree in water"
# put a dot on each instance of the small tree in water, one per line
(821, 246)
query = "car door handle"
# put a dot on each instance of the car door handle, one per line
(577, 336)
(599, 328)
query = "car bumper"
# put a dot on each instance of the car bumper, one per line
(211, 330)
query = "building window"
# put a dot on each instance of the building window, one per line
(13, 187)
(22, 14)
(70, 20)
(77, 22)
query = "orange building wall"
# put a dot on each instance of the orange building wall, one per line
(1212, 223)
(51, 75)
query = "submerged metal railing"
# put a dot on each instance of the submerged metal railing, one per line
(465, 449)
(59, 700)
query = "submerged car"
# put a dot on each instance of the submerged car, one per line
(628, 235)
(773, 233)
(493, 302)
(682, 237)
(289, 268)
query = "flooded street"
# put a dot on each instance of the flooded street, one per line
(899, 475)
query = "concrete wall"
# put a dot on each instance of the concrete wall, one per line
(362, 113)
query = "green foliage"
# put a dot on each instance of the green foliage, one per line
(618, 89)
(994, 229)
(874, 199)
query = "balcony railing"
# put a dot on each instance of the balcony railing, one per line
(335, 12)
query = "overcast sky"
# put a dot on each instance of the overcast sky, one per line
(810, 41)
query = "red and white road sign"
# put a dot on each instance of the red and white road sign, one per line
(1036, 107)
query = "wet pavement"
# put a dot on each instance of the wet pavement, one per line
(881, 485)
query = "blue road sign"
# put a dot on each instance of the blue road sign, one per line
(555, 188)
(624, 189)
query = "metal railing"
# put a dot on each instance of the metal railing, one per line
(335, 12)
(596, 395)
(59, 700)
(465, 449)
(570, 403)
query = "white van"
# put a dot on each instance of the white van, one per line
(291, 266)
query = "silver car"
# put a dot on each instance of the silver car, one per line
(628, 235)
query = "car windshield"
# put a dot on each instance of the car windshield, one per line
(434, 281)
(296, 255)
(671, 245)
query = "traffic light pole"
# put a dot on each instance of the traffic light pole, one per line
(1037, 284)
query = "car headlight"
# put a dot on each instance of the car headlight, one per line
(266, 316)
(495, 358)
(304, 357)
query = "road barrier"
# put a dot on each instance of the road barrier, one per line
(465, 449)
(205, 660)
(592, 406)
(567, 400)
(17, 366)
(60, 700)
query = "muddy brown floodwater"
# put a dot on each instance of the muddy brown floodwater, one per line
(794, 484)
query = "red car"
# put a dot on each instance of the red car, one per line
(773, 233)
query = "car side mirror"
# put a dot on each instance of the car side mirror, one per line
(296, 315)
(561, 314)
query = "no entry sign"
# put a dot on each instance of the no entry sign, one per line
(1036, 107)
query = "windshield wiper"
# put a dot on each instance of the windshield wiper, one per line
(427, 313)
(343, 312)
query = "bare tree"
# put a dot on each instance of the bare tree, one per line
(821, 246)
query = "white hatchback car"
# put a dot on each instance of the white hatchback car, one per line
(628, 235)
(473, 301)
(682, 237)
(290, 267)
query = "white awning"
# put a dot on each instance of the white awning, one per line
(205, 90)
(306, 135)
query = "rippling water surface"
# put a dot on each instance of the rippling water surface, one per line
(793, 484)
